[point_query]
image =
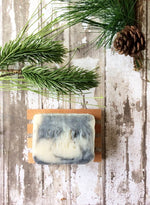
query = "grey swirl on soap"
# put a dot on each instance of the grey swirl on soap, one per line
(52, 126)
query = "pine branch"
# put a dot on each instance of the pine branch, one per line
(33, 50)
(39, 47)
(62, 80)
(10, 73)
(107, 16)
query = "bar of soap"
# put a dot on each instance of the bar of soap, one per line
(63, 138)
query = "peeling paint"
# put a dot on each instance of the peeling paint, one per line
(127, 113)
(25, 154)
(10, 10)
(85, 26)
(87, 62)
(125, 166)
(124, 130)
(139, 108)
(49, 179)
(122, 188)
(1, 23)
(86, 180)
(137, 176)
(33, 5)
(22, 188)
(17, 173)
(84, 40)
(17, 195)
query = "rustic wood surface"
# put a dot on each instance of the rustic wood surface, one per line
(123, 176)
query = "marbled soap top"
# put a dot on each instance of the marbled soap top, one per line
(63, 138)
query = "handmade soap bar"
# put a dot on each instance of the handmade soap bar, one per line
(63, 138)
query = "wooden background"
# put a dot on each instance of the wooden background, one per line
(123, 176)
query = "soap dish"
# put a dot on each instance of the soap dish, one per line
(64, 136)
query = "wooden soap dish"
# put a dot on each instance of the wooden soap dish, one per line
(95, 112)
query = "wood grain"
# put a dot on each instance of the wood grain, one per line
(122, 178)
(83, 177)
(146, 28)
(13, 117)
(95, 112)
(1, 119)
(124, 131)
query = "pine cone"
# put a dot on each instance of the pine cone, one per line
(129, 41)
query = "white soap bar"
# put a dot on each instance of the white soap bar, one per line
(63, 138)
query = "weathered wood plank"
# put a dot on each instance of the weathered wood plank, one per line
(56, 185)
(21, 185)
(7, 27)
(34, 173)
(33, 180)
(146, 28)
(1, 23)
(124, 132)
(1, 119)
(86, 180)
(1, 146)
(147, 159)
(147, 64)
(56, 178)
(13, 142)
(126, 168)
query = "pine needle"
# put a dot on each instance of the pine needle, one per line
(36, 49)
(106, 16)
(39, 47)
(32, 50)
(61, 81)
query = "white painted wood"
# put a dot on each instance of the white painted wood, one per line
(146, 28)
(33, 172)
(56, 179)
(1, 118)
(124, 132)
(123, 176)
(6, 145)
(147, 140)
(1, 145)
(86, 180)
(147, 159)
(19, 177)
(1, 23)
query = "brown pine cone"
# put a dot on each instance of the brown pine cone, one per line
(129, 41)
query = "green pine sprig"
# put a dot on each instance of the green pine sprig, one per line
(21, 84)
(31, 49)
(63, 80)
(36, 49)
(107, 17)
